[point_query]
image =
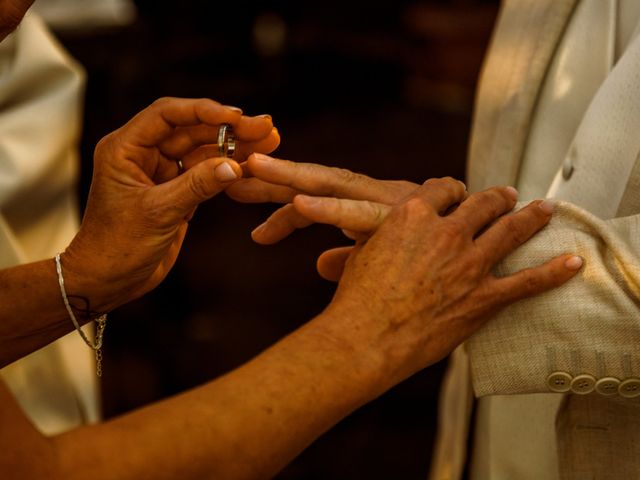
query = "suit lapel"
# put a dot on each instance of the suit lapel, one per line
(523, 44)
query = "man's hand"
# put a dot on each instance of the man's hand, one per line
(422, 283)
(314, 193)
(139, 204)
(280, 181)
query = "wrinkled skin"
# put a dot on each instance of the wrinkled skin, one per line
(139, 206)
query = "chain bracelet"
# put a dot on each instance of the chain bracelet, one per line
(101, 321)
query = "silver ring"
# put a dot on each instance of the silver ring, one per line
(180, 167)
(226, 141)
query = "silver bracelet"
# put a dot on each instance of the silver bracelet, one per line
(101, 321)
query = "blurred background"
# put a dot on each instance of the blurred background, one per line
(383, 88)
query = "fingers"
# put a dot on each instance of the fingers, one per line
(177, 198)
(281, 224)
(352, 215)
(441, 193)
(511, 231)
(482, 208)
(244, 148)
(254, 190)
(331, 263)
(158, 121)
(252, 134)
(533, 281)
(327, 181)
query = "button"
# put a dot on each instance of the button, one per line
(559, 382)
(630, 388)
(607, 386)
(583, 384)
(567, 168)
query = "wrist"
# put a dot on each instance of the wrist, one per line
(358, 357)
(88, 294)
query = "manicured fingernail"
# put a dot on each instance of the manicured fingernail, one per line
(225, 173)
(512, 192)
(547, 206)
(259, 229)
(574, 263)
(233, 109)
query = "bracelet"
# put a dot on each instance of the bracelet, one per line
(101, 321)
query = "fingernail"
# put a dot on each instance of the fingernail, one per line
(259, 229)
(225, 173)
(512, 192)
(574, 263)
(233, 109)
(547, 206)
(266, 116)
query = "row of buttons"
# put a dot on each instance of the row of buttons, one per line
(562, 382)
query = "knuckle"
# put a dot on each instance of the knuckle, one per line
(161, 102)
(491, 201)
(103, 144)
(345, 176)
(432, 182)
(376, 212)
(109, 149)
(453, 227)
(414, 210)
(403, 187)
(515, 229)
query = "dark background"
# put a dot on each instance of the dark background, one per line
(383, 88)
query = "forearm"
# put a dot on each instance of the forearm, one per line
(33, 313)
(247, 424)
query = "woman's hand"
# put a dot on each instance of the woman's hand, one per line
(139, 204)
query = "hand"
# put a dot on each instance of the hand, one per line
(139, 205)
(355, 203)
(280, 181)
(423, 282)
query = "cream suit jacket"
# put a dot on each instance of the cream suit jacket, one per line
(40, 118)
(584, 338)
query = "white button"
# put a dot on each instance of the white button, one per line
(630, 388)
(559, 382)
(607, 386)
(583, 384)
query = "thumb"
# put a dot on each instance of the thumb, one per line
(331, 263)
(184, 193)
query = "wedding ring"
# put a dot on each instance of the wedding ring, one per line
(226, 141)
(180, 167)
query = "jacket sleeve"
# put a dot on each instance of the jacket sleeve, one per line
(580, 338)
